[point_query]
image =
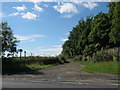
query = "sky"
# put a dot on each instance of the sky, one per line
(43, 27)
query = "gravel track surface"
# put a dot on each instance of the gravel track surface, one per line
(68, 75)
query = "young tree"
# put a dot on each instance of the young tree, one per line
(8, 39)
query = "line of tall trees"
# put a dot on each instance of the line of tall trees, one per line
(94, 33)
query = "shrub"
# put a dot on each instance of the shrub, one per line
(78, 58)
(62, 58)
(103, 56)
(96, 57)
(116, 57)
(85, 58)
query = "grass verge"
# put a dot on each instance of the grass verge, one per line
(38, 66)
(109, 67)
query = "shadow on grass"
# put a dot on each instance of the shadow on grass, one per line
(19, 70)
(33, 72)
(12, 66)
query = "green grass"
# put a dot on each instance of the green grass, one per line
(15, 65)
(109, 67)
(38, 66)
(24, 68)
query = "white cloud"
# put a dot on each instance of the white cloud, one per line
(45, 5)
(65, 39)
(66, 8)
(2, 15)
(16, 14)
(76, 1)
(29, 38)
(57, 46)
(32, 40)
(51, 49)
(44, 52)
(67, 16)
(34, 1)
(21, 37)
(29, 15)
(22, 8)
(38, 53)
(50, 54)
(37, 8)
(37, 36)
(90, 5)
(38, 48)
(37, 1)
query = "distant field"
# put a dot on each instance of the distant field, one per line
(111, 67)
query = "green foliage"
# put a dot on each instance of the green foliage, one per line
(77, 39)
(92, 34)
(10, 65)
(90, 49)
(62, 58)
(31, 60)
(114, 14)
(8, 39)
(78, 58)
(38, 66)
(100, 30)
(110, 67)
(104, 56)
(116, 57)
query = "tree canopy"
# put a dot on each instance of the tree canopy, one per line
(8, 39)
(94, 33)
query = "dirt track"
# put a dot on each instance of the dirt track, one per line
(67, 71)
(68, 75)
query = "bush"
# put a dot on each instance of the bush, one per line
(78, 58)
(31, 60)
(116, 57)
(62, 58)
(104, 56)
(85, 58)
(81, 58)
